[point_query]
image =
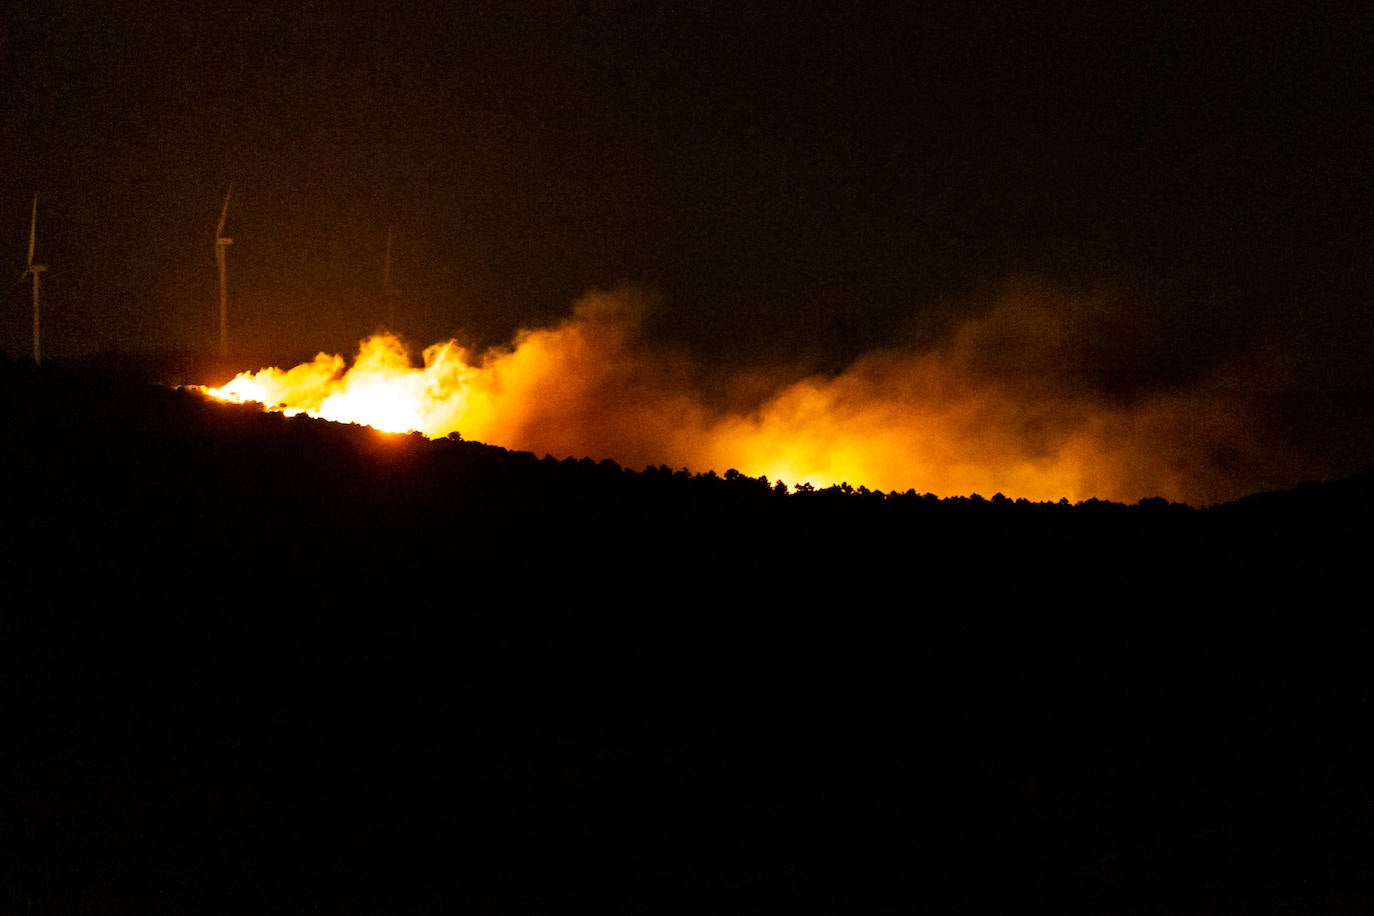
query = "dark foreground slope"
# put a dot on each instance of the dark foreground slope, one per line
(254, 664)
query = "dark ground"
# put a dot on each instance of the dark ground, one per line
(264, 665)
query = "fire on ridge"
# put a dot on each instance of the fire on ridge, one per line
(994, 408)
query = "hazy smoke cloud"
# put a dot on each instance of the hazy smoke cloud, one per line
(1043, 395)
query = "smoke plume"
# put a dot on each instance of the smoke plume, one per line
(1042, 396)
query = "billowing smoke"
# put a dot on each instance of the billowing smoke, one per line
(1042, 395)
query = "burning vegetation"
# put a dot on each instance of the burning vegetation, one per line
(1042, 397)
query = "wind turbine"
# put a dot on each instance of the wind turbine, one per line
(34, 270)
(388, 291)
(221, 249)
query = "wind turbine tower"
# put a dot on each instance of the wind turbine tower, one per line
(34, 270)
(221, 249)
(388, 291)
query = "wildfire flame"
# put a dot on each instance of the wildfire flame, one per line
(382, 389)
(992, 409)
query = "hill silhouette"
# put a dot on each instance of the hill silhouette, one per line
(259, 664)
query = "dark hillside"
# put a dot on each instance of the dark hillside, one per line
(254, 664)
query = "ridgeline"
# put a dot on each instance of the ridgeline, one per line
(259, 664)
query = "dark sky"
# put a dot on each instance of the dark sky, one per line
(793, 180)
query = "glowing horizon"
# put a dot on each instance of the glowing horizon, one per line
(990, 411)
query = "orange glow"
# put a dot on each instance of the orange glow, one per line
(994, 408)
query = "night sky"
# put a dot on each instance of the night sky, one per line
(798, 182)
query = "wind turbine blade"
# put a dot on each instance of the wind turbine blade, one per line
(33, 228)
(224, 212)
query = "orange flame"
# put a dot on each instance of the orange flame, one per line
(994, 409)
